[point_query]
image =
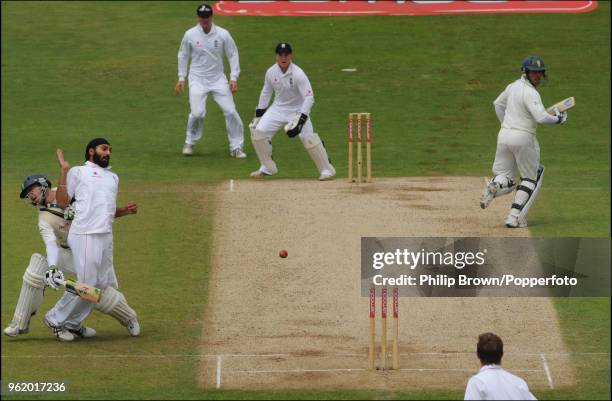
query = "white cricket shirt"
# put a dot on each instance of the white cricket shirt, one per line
(523, 107)
(292, 90)
(95, 189)
(494, 383)
(206, 52)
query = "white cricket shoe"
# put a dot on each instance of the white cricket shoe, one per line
(133, 327)
(259, 174)
(187, 149)
(12, 331)
(61, 334)
(238, 153)
(488, 193)
(514, 222)
(83, 332)
(327, 175)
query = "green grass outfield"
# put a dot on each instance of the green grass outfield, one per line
(72, 71)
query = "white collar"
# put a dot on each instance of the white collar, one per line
(90, 164)
(212, 29)
(487, 367)
(289, 69)
(524, 78)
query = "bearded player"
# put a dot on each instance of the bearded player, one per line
(54, 224)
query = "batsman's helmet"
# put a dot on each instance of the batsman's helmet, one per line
(31, 180)
(534, 63)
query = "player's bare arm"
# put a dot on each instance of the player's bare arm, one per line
(129, 208)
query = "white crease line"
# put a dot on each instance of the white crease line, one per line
(547, 370)
(282, 371)
(231, 185)
(297, 370)
(218, 371)
(285, 355)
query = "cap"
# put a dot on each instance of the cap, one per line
(204, 10)
(283, 48)
(92, 145)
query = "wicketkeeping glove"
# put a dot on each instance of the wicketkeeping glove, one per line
(54, 277)
(295, 127)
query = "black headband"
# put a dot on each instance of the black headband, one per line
(92, 145)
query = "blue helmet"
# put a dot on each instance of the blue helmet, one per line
(31, 180)
(534, 63)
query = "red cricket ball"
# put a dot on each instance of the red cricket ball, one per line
(283, 253)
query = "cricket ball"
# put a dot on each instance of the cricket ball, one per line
(283, 253)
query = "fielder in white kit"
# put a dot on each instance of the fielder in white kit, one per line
(94, 188)
(519, 109)
(205, 44)
(293, 99)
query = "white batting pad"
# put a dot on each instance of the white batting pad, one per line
(32, 291)
(263, 149)
(113, 303)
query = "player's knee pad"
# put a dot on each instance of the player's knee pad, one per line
(113, 303)
(32, 292)
(532, 196)
(505, 185)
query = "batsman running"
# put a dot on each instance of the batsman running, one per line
(54, 223)
(519, 109)
(293, 99)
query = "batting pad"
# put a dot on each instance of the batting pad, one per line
(317, 152)
(263, 149)
(113, 303)
(32, 292)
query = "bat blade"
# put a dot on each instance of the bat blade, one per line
(85, 291)
(564, 105)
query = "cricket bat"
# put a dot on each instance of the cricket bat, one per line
(564, 105)
(85, 291)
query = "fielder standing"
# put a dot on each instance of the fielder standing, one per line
(94, 188)
(205, 44)
(293, 99)
(492, 382)
(519, 109)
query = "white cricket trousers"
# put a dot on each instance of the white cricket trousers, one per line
(92, 256)
(276, 118)
(198, 93)
(516, 149)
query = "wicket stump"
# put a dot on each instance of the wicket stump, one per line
(383, 337)
(359, 117)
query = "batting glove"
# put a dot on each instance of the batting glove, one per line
(562, 116)
(260, 112)
(54, 278)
